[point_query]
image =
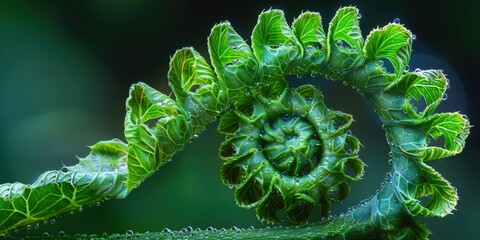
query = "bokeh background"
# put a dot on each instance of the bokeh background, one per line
(66, 67)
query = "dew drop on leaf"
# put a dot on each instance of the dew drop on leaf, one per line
(396, 20)
(260, 149)
(445, 97)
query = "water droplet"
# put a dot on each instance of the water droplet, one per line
(98, 204)
(210, 229)
(260, 149)
(129, 233)
(414, 36)
(64, 169)
(417, 70)
(407, 68)
(445, 97)
(29, 227)
(262, 133)
(396, 20)
(61, 234)
(80, 209)
(166, 230)
(45, 222)
(299, 76)
(359, 15)
(286, 116)
(45, 235)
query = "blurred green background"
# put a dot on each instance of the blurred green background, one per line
(66, 67)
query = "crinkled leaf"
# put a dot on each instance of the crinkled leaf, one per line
(309, 31)
(233, 61)
(276, 48)
(443, 196)
(344, 39)
(100, 175)
(393, 42)
(195, 87)
(429, 85)
(188, 73)
(454, 127)
(144, 104)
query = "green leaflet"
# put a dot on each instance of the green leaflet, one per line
(344, 41)
(308, 30)
(96, 177)
(144, 154)
(393, 42)
(285, 150)
(233, 61)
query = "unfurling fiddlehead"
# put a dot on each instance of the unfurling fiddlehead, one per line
(288, 153)
(285, 150)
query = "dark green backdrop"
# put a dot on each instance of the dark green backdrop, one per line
(66, 67)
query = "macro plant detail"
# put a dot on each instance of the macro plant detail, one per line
(284, 149)
(288, 153)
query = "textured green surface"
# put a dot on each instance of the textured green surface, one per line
(285, 149)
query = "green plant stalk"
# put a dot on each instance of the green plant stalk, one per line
(156, 126)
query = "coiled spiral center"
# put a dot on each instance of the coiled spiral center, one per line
(288, 152)
(291, 145)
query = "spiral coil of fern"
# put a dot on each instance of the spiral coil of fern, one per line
(288, 153)
(244, 77)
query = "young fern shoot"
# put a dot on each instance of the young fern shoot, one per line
(285, 149)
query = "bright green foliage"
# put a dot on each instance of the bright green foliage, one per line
(98, 176)
(289, 153)
(285, 150)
